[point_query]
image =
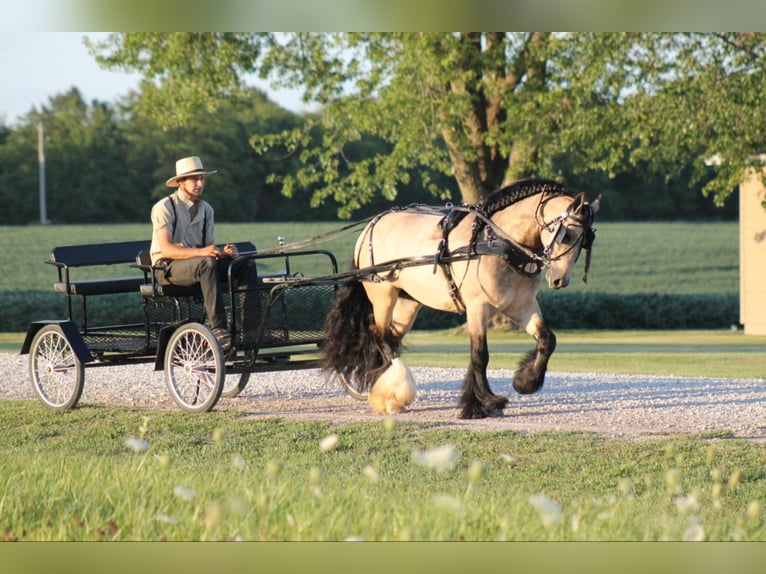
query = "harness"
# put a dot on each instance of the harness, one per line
(175, 220)
(493, 241)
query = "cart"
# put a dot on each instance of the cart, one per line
(276, 322)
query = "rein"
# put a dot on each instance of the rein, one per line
(496, 242)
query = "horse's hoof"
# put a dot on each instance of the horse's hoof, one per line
(483, 411)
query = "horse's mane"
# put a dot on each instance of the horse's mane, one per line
(513, 193)
(519, 190)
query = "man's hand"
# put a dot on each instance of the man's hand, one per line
(230, 250)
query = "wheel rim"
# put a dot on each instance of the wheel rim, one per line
(234, 384)
(194, 368)
(56, 372)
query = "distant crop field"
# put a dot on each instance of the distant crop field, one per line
(670, 258)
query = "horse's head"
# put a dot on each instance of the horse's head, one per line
(565, 230)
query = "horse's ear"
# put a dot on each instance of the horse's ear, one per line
(578, 203)
(596, 204)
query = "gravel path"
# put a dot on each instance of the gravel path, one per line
(627, 406)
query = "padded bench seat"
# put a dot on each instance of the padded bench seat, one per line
(102, 286)
(148, 290)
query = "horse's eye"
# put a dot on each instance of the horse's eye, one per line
(561, 234)
(568, 238)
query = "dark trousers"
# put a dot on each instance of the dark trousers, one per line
(202, 270)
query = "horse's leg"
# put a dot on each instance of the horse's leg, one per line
(384, 298)
(404, 314)
(394, 387)
(478, 401)
(530, 374)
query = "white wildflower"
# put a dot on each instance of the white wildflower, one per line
(673, 479)
(508, 459)
(371, 473)
(328, 443)
(625, 486)
(550, 512)
(136, 444)
(694, 531)
(687, 504)
(440, 458)
(447, 502)
(166, 518)
(184, 493)
(238, 462)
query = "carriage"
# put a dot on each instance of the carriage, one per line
(477, 259)
(168, 326)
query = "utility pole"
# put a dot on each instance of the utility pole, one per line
(41, 159)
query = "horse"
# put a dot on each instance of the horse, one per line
(478, 259)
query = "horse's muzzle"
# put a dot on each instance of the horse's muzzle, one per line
(558, 282)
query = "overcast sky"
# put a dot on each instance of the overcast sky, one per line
(38, 65)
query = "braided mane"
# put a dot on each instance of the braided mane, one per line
(519, 190)
(513, 193)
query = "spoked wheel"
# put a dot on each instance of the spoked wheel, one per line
(234, 384)
(194, 368)
(351, 389)
(56, 373)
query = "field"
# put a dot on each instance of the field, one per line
(628, 258)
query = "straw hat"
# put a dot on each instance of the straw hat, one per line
(185, 167)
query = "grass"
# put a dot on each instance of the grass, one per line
(725, 354)
(221, 476)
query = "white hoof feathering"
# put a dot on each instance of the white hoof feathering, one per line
(394, 389)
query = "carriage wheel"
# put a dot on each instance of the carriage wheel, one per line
(56, 373)
(351, 389)
(194, 368)
(234, 384)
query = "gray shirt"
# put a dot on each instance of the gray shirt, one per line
(188, 232)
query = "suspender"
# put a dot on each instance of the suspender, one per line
(175, 221)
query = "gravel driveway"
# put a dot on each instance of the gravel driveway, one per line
(627, 406)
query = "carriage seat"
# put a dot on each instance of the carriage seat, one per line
(157, 289)
(68, 257)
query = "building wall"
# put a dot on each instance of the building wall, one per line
(752, 255)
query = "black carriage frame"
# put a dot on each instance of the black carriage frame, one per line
(286, 334)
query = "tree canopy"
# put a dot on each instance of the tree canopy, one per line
(484, 108)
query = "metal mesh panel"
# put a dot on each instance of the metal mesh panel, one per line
(295, 316)
(117, 339)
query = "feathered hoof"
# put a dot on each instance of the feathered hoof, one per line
(491, 409)
(394, 389)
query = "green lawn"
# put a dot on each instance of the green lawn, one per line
(723, 354)
(102, 473)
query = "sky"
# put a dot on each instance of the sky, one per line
(38, 65)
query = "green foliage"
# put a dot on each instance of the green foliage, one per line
(120, 474)
(483, 108)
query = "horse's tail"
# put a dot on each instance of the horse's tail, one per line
(352, 346)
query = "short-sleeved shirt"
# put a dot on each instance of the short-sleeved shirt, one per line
(188, 232)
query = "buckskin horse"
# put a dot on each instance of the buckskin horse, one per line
(479, 259)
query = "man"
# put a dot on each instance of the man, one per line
(183, 241)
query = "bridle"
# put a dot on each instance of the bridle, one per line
(558, 230)
(497, 242)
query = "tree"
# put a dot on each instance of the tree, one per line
(484, 108)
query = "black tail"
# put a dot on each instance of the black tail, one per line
(352, 346)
